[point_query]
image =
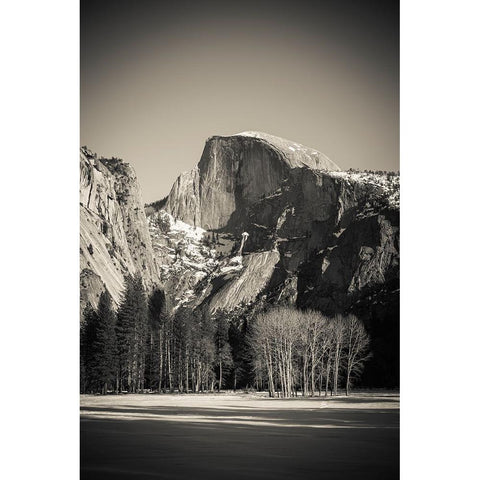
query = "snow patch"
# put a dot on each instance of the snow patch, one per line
(184, 257)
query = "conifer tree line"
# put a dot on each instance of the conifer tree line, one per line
(113, 344)
(144, 347)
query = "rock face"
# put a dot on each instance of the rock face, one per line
(235, 172)
(241, 284)
(114, 237)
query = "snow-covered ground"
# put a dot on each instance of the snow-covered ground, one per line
(112, 405)
(240, 436)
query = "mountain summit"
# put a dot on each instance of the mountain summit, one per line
(295, 154)
(236, 171)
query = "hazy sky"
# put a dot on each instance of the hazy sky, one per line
(158, 78)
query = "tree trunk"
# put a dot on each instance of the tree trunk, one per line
(327, 377)
(180, 372)
(271, 385)
(305, 377)
(312, 376)
(336, 367)
(347, 384)
(220, 379)
(160, 352)
(312, 381)
(169, 363)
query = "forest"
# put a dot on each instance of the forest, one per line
(145, 347)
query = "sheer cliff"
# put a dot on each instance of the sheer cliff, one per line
(114, 237)
(234, 172)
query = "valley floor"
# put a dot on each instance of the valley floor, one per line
(239, 436)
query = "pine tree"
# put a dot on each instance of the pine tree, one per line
(223, 350)
(87, 336)
(104, 351)
(141, 330)
(124, 330)
(236, 339)
(156, 339)
(131, 334)
(203, 350)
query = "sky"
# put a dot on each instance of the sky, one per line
(158, 78)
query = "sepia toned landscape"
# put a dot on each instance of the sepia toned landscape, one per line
(239, 240)
(279, 294)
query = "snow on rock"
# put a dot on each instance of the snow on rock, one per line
(182, 253)
(234, 265)
(388, 185)
(187, 262)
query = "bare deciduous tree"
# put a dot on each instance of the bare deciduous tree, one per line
(294, 349)
(357, 352)
(338, 332)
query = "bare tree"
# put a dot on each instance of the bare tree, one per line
(311, 330)
(261, 343)
(338, 333)
(357, 349)
(273, 337)
(317, 323)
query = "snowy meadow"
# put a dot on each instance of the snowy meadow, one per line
(240, 436)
